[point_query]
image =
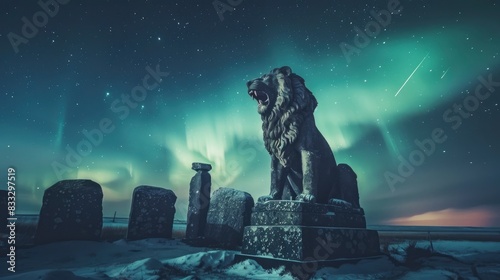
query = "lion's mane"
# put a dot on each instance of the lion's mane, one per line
(281, 125)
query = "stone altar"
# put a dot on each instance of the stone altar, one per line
(306, 236)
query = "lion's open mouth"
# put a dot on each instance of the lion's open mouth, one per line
(259, 95)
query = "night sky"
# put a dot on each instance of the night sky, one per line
(428, 72)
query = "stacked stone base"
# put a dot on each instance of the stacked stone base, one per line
(301, 243)
(298, 234)
(289, 212)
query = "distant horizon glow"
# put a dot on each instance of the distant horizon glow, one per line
(477, 217)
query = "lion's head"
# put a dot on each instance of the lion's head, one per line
(283, 103)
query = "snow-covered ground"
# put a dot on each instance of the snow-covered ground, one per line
(172, 259)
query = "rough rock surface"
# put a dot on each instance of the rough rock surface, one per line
(303, 243)
(152, 213)
(199, 201)
(71, 210)
(291, 212)
(228, 214)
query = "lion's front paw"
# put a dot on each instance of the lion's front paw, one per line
(306, 198)
(265, 198)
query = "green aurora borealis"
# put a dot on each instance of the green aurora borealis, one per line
(66, 79)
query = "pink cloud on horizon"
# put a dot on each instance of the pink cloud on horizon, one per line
(474, 217)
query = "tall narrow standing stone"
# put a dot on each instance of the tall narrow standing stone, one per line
(199, 201)
(152, 213)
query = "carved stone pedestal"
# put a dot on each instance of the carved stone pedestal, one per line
(294, 213)
(303, 235)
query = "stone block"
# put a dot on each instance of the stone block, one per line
(304, 243)
(71, 210)
(152, 213)
(228, 214)
(283, 212)
(198, 166)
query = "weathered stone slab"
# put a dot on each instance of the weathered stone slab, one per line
(71, 210)
(303, 243)
(152, 213)
(228, 214)
(199, 201)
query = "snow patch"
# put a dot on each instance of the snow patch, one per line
(250, 268)
(146, 269)
(153, 258)
(210, 260)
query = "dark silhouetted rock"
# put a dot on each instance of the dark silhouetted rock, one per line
(228, 214)
(199, 201)
(348, 184)
(198, 166)
(152, 213)
(71, 210)
(4, 213)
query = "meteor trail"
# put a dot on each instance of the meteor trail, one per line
(411, 75)
(445, 72)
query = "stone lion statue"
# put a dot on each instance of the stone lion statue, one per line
(302, 163)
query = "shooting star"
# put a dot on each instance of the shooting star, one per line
(445, 72)
(411, 75)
